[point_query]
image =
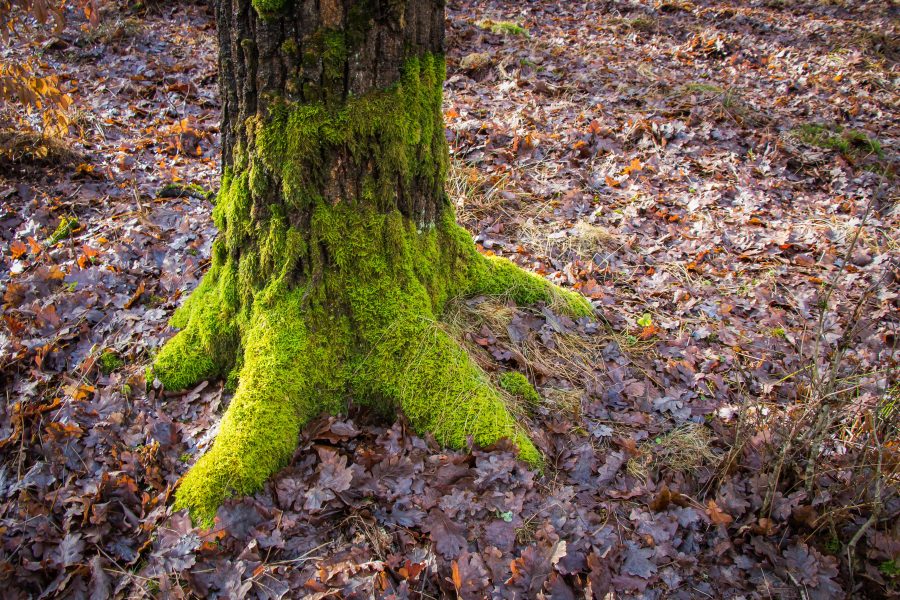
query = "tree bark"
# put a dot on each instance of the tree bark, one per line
(325, 52)
(338, 248)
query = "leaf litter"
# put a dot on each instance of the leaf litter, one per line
(650, 155)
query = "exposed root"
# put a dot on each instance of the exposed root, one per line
(496, 276)
(283, 384)
(300, 361)
(518, 385)
(441, 389)
(204, 349)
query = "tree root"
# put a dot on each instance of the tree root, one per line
(497, 276)
(424, 371)
(206, 346)
(299, 361)
(282, 385)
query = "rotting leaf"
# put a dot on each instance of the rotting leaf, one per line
(637, 561)
(717, 515)
(469, 575)
(448, 537)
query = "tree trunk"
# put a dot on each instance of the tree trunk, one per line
(338, 248)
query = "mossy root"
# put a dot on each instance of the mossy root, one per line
(421, 368)
(291, 374)
(205, 347)
(276, 396)
(497, 276)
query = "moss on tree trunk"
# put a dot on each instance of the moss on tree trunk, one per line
(338, 251)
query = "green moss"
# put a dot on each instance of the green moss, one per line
(289, 375)
(269, 8)
(402, 126)
(67, 225)
(388, 281)
(702, 88)
(182, 190)
(333, 50)
(109, 361)
(301, 321)
(643, 24)
(289, 47)
(851, 143)
(518, 385)
(890, 568)
(502, 27)
(206, 346)
(496, 276)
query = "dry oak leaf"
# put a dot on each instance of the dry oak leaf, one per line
(717, 515)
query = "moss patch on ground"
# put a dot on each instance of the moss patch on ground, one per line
(67, 226)
(502, 27)
(109, 361)
(851, 143)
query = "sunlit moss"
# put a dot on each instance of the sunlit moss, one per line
(849, 142)
(266, 8)
(502, 27)
(496, 276)
(349, 307)
(67, 225)
(289, 375)
(518, 385)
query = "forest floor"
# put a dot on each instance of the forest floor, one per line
(711, 174)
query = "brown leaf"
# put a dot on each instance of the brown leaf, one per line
(470, 577)
(717, 515)
(805, 515)
(634, 166)
(448, 537)
(18, 248)
(665, 497)
(135, 296)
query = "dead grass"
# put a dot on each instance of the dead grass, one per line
(882, 44)
(672, 6)
(113, 29)
(645, 24)
(725, 103)
(685, 449)
(29, 147)
(583, 239)
(563, 401)
(473, 193)
(568, 357)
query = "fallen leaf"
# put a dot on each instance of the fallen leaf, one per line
(716, 515)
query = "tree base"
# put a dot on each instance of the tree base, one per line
(305, 350)
(337, 255)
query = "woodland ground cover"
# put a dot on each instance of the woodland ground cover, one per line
(717, 177)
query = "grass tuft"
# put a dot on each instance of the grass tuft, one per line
(852, 143)
(502, 27)
(685, 449)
